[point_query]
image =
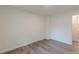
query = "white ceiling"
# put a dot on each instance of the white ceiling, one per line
(47, 9)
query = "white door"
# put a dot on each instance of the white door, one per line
(75, 27)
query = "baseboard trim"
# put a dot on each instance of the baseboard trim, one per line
(3, 52)
(37, 41)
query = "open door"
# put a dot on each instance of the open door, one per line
(75, 27)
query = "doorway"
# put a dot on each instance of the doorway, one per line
(75, 27)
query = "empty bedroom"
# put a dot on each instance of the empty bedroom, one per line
(39, 29)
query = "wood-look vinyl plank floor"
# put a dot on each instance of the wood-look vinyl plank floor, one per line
(47, 47)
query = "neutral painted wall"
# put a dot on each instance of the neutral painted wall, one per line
(61, 26)
(47, 24)
(19, 28)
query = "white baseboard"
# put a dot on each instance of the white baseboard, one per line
(6, 50)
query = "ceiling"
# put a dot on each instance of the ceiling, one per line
(47, 9)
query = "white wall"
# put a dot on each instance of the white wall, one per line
(47, 28)
(19, 28)
(61, 30)
(61, 27)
